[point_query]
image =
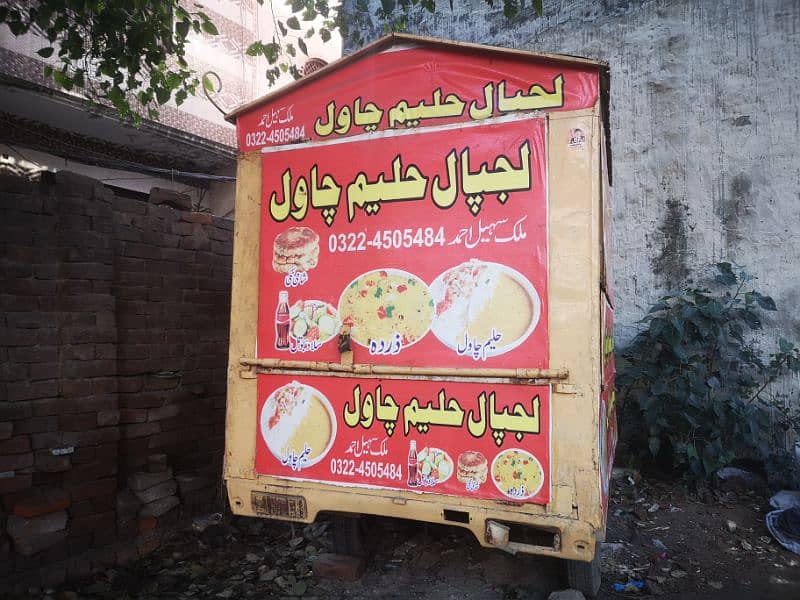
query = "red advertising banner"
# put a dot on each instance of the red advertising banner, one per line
(416, 87)
(429, 247)
(608, 408)
(485, 440)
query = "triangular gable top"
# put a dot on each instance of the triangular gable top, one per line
(401, 39)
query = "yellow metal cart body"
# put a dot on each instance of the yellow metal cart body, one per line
(422, 319)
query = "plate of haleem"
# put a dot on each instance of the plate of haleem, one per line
(298, 420)
(484, 303)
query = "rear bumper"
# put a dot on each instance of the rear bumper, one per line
(514, 528)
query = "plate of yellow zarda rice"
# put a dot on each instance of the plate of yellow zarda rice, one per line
(517, 474)
(385, 303)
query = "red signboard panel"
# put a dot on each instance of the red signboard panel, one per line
(430, 247)
(415, 87)
(481, 440)
(608, 408)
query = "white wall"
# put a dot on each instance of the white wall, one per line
(705, 119)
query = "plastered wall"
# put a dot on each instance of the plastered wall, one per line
(705, 120)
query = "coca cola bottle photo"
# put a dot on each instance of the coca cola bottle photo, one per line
(282, 323)
(412, 465)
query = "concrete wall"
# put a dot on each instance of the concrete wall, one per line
(705, 120)
(113, 351)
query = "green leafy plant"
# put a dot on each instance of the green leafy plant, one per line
(130, 54)
(694, 388)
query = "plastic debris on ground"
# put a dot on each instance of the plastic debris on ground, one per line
(785, 499)
(200, 524)
(632, 585)
(784, 525)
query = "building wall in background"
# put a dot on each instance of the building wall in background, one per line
(704, 121)
(242, 78)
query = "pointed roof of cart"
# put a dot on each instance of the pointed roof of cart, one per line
(394, 40)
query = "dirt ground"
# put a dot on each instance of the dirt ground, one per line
(713, 546)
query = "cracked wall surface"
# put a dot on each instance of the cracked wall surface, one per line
(705, 123)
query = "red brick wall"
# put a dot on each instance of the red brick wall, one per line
(113, 347)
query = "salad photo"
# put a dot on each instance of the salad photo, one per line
(313, 320)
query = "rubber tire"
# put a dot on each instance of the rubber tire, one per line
(348, 537)
(585, 576)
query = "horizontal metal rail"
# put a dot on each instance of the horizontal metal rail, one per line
(367, 369)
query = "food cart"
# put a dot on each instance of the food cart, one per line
(421, 318)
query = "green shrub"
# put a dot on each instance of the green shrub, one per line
(695, 391)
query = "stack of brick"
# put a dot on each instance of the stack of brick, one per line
(113, 348)
(39, 520)
(158, 494)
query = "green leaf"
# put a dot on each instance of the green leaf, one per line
(162, 95)
(46, 52)
(654, 444)
(691, 451)
(282, 27)
(62, 80)
(210, 28)
(254, 49)
(785, 346)
(751, 319)
(293, 23)
(182, 28)
(116, 96)
(17, 28)
(657, 326)
(510, 8)
(325, 34)
(208, 84)
(537, 6)
(726, 275)
(765, 302)
(299, 588)
(48, 71)
(303, 48)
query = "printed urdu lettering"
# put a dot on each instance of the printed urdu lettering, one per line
(405, 114)
(402, 185)
(445, 411)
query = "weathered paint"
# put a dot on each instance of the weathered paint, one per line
(575, 510)
(576, 506)
(705, 120)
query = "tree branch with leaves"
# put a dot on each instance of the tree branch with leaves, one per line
(131, 54)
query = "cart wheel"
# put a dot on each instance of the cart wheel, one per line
(347, 535)
(585, 576)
